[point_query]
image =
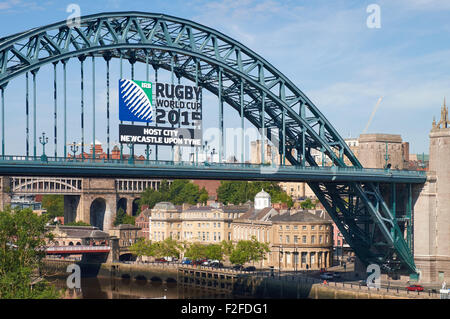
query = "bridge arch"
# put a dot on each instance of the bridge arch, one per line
(122, 203)
(100, 213)
(245, 81)
(135, 207)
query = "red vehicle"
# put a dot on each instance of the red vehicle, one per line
(160, 260)
(414, 288)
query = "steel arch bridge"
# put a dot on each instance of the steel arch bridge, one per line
(240, 78)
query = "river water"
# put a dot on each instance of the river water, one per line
(118, 288)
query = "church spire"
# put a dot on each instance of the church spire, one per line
(444, 118)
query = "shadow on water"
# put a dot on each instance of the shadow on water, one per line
(118, 288)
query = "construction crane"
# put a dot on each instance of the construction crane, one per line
(372, 115)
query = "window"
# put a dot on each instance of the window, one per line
(295, 227)
(229, 236)
(304, 239)
(219, 236)
(320, 239)
(281, 227)
(218, 224)
(287, 227)
(281, 238)
(320, 227)
(287, 239)
(313, 227)
(313, 239)
(304, 227)
(295, 239)
(304, 255)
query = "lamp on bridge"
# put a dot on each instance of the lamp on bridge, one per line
(148, 152)
(74, 149)
(131, 158)
(43, 140)
(213, 152)
(386, 158)
(206, 148)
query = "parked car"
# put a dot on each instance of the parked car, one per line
(326, 275)
(414, 288)
(160, 260)
(250, 268)
(237, 267)
(216, 264)
(186, 261)
(323, 270)
(336, 275)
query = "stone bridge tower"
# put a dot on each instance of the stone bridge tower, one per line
(432, 208)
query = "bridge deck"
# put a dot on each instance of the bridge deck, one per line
(79, 249)
(21, 165)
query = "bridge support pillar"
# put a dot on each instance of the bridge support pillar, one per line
(432, 210)
(114, 253)
(72, 208)
(5, 192)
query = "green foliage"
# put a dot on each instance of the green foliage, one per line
(248, 251)
(22, 239)
(78, 223)
(142, 247)
(214, 252)
(54, 204)
(238, 192)
(308, 204)
(227, 247)
(123, 218)
(196, 251)
(168, 247)
(179, 192)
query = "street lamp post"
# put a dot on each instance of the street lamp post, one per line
(131, 147)
(386, 157)
(213, 152)
(74, 149)
(148, 152)
(206, 148)
(43, 140)
(342, 246)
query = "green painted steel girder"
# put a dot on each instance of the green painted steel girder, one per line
(248, 83)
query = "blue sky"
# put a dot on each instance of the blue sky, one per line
(324, 47)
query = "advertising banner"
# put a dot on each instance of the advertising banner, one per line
(175, 112)
(138, 134)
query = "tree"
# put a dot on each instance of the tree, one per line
(167, 248)
(308, 204)
(123, 218)
(238, 192)
(179, 192)
(142, 247)
(22, 243)
(196, 251)
(248, 251)
(214, 252)
(227, 247)
(54, 204)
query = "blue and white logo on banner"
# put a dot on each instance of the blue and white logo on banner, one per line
(135, 101)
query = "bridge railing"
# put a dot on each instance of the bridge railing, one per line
(77, 248)
(70, 161)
